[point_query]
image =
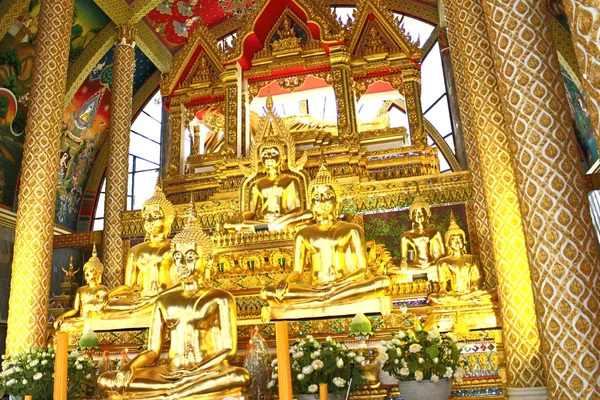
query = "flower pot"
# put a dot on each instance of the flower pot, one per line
(425, 390)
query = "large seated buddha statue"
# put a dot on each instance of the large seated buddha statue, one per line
(459, 273)
(421, 246)
(334, 251)
(201, 323)
(277, 198)
(148, 272)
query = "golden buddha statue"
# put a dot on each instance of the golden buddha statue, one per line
(336, 255)
(90, 299)
(276, 200)
(421, 246)
(148, 271)
(202, 324)
(459, 273)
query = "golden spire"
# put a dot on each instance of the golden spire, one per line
(159, 199)
(454, 229)
(193, 233)
(94, 262)
(324, 178)
(419, 202)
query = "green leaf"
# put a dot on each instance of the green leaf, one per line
(432, 351)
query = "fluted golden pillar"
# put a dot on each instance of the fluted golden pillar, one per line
(584, 20)
(411, 78)
(344, 95)
(176, 125)
(487, 146)
(118, 151)
(30, 281)
(230, 79)
(565, 267)
(482, 221)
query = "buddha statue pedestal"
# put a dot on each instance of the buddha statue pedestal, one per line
(480, 312)
(379, 305)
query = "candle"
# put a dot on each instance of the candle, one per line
(283, 361)
(61, 366)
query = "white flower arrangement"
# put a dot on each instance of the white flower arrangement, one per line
(419, 354)
(31, 372)
(315, 362)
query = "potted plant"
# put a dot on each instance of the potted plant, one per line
(424, 362)
(31, 373)
(316, 363)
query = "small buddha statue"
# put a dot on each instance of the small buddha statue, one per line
(148, 271)
(201, 323)
(335, 253)
(421, 246)
(459, 273)
(276, 199)
(90, 299)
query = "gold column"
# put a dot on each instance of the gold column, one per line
(344, 95)
(229, 78)
(584, 20)
(487, 146)
(118, 150)
(30, 281)
(61, 365)
(176, 121)
(561, 244)
(480, 206)
(411, 78)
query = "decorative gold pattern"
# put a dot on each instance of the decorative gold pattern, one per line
(584, 20)
(152, 47)
(176, 127)
(80, 69)
(9, 11)
(344, 96)
(412, 93)
(30, 281)
(118, 162)
(560, 240)
(229, 78)
(487, 142)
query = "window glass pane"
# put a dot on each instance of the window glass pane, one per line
(416, 28)
(187, 143)
(98, 224)
(99, 212)
(439, 116)
(444, 166)
(146, 126)
(144, 148)
(154, 107)
(450, 141)
(144, 187)
(432, 78)
(368, 108)
(130, 163)
(142, 165)
(103, 186)
(130, 184)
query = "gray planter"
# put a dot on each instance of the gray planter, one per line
(425, 390)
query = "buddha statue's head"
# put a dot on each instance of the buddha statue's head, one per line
(455, 238)
(158, 214)
(272, 154)
(324, 192)
(192, 249)
(92, 270)
(419, 211)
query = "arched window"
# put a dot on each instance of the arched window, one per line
(144, 160)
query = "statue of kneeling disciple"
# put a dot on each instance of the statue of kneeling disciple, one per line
(201, 321)
(335, 253)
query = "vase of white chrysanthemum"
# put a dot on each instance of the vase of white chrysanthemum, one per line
(424, 362)
(314, 363)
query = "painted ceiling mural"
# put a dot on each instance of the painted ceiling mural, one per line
(84, 127)
(16, 66)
